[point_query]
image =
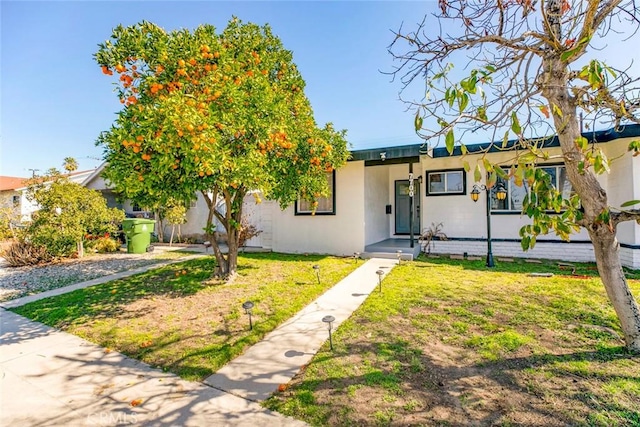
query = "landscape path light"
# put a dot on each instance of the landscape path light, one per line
(380, 273)
(329, 321)
(248, 306)
(501, 194)
(356, 256)
(399, 255)
(317, 269)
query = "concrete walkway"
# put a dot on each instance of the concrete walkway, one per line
(257, 373)
(51, 378)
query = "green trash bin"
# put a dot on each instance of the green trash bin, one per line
(138, 233)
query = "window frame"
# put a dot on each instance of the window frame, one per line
(429, 193)
(299, 212)
(507, 184)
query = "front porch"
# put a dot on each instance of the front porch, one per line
(389, 249)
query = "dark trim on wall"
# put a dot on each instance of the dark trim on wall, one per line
(393, 161)
(493, 239)
(371, 156)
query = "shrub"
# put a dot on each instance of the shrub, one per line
(22, 253)
(105, 244)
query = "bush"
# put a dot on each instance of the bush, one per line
(22, 253)
(104, 245)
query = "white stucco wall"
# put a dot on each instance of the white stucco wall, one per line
(339, 234)
(462, 217)
(376, 189)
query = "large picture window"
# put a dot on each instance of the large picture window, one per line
(326, 205)
(446, 182)
(516, 193)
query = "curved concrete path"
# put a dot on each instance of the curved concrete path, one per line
(51, 378)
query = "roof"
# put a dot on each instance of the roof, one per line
(11, 182)
(404, 153)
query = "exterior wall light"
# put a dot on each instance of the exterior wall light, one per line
(501, 194)
(248, 306)
(329, 321)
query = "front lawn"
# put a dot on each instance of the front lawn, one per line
(454, 343)
(176, 319)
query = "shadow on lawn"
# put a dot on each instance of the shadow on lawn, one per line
(481, 393)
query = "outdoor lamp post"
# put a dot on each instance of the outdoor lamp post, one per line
(501, 194)
(329, 321)
(399, 255)
(317, 269)
(380, 273)
(248, 305)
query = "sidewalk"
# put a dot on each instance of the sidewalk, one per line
(51, 378)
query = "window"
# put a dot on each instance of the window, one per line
(446, 182)
(516, 193)
(16, 200)
(136, 208)
(326, 205)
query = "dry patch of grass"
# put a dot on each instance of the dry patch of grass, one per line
(453, 343)
(177, 319)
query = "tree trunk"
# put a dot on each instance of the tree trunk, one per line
(594, 201)
(80, 248)
(606, 247)
(173, 228)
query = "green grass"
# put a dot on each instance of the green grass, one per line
(474, 345)
(176, 319)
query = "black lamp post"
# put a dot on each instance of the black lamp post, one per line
(329, 321)
(501, 194)
(248, 305)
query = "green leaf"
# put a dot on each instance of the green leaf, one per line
(492, 179)
(466, 166)
(477, 173)
(630, 203)
(487, 165)
(515, 124)
(557, 111)
(505, 139)
(449, 141)
(418, 121)
(463, 149)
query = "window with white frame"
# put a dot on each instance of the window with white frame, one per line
(516, 193)
(326, 205)
(446, 182)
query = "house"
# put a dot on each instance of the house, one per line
(13, 194)
(370, 208)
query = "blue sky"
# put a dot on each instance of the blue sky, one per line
(56, 101)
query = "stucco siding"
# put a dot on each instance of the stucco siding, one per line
(339, 234)
(376, 189)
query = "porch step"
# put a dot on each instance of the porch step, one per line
(405, 256)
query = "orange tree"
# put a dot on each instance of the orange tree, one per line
(222, 114)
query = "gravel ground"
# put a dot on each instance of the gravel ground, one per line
(16, 282)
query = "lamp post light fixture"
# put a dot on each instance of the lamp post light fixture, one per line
(501, 194)
(380, 273)
(317, 269)
(248, 305)
(329, 321)
(356, 256)
(399, 255)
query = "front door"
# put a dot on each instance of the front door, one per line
(403, 210)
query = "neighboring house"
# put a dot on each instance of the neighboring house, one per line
(11, 196)
(14, 190)
(369, 209)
